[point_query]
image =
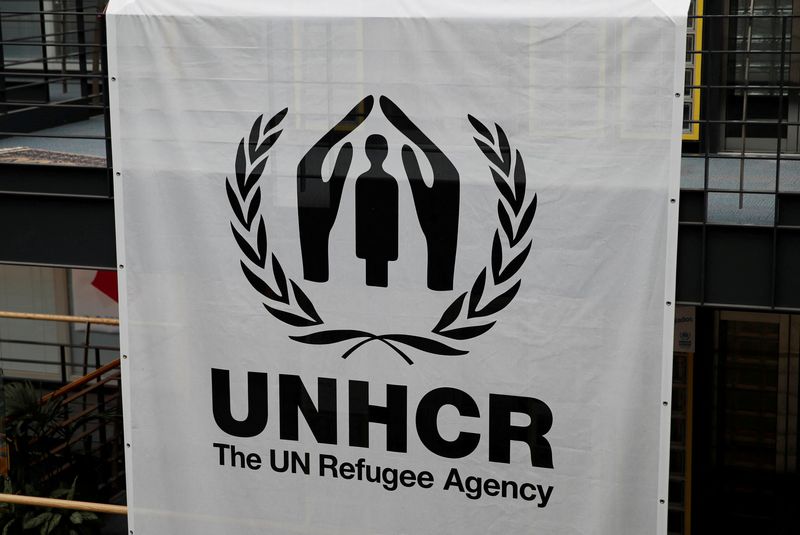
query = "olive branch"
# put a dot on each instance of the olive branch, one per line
(515, 223)
(511, 215)
(251, 158)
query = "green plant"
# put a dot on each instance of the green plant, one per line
(45, 461)
(46, 521)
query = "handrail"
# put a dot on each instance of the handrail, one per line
(58, 317)
(81, 380)
(105, 508)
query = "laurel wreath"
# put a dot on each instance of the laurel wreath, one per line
(457, 322)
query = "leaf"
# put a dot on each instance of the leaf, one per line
(52, 524)
(465, 333)
(525, 222)
(253, 177)
(498, 303)
(36, 521)
(505, 222)
(76, 518)
(241, 166)
(332, 336)
(254, 205)
(288, 317)
(255, 135)
(519, 183)
(476, 292)
(514, 265)
(305, 303)
(247, 249)
(270, 141)
(505, 150)
(280, 280)
(259, 285)
(234, 201)
(423, 344)
(497, 255)
(261, 242)
(502, 185)
(450, 314)
(481, 128)
(276, 119)
(490, 154)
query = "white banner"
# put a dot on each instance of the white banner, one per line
(394, 266)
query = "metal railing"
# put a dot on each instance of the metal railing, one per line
(83, 404)
(740, 184)
(91, 353)
(53, 79)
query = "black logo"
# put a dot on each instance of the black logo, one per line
(376, 198)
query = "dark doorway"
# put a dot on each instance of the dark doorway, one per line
(752, 484)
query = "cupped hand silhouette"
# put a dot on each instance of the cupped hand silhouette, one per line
(318, 199)
(437, 205)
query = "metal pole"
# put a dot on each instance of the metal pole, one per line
(749, 44)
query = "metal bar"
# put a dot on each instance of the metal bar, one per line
(103, 508)
(54, 34)
(63, 363)
(101, 400)
(45, 66)
(34, 43)
(52, 344)
(106, 102)
(19, 103)
(82, 64)
(49, 136)
(12, 14)
(58, 317)
(82, 381)
(3, 67)
(91, 388)
(779, 135)
(86, 339)
(32, 74)
(63, 56)
(744, 102)
(69, 363)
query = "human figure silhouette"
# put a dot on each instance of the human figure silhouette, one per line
(376, 214)
(318, 199)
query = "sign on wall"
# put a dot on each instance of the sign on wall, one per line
(395, 267)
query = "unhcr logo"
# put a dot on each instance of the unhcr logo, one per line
(436, 202)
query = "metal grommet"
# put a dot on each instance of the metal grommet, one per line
(677, 95)
(121, 266)
(673, 201)
(665, 403)
(669, 303)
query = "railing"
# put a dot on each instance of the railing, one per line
(740, 177)
(64, 364)
(52, 73)
(88, 425)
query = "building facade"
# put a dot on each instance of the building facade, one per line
(734, 463)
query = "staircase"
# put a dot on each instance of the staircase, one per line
(75, 432)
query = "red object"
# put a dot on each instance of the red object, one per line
(106, 282)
